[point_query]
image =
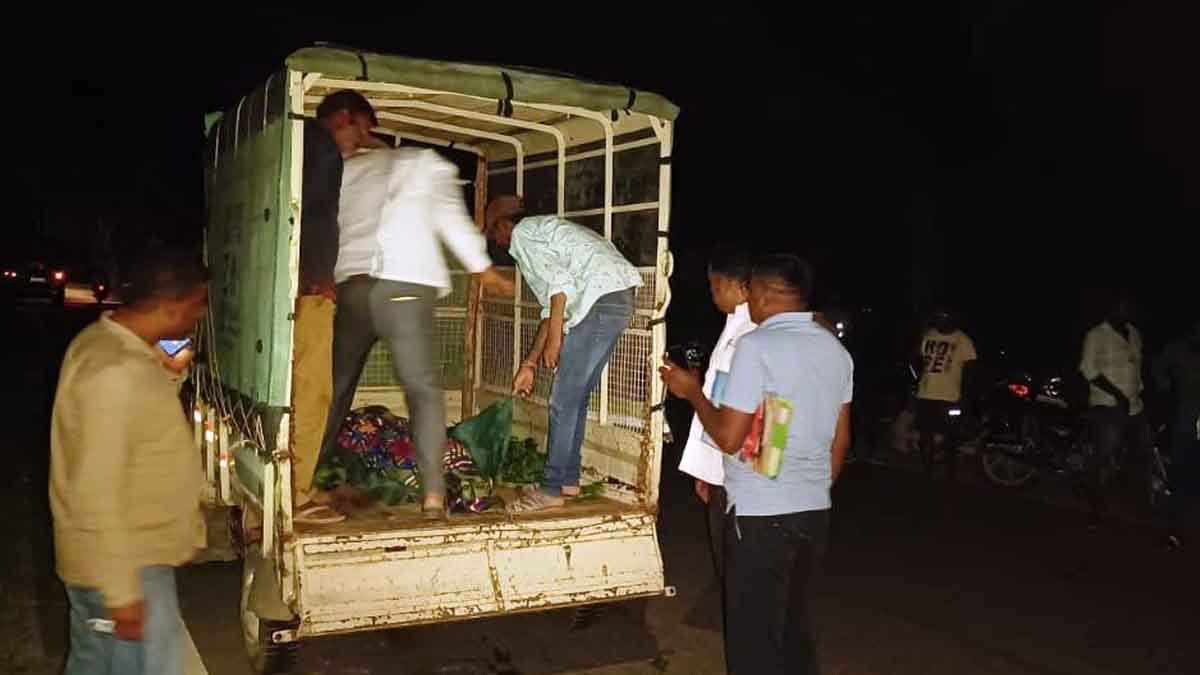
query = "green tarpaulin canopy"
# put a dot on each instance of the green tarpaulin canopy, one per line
(487, 81)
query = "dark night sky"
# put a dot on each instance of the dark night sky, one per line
(1011, 153)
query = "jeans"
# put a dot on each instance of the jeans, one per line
(585, 352)
(1184, 473)
(770, 562)
(1111, 428)
(370, 309)
(160, 651)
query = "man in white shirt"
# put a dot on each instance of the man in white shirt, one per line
(945, 353)
(729, 283)
(1112, 364)
(397, 209)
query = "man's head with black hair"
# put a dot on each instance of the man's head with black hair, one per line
(349, 117)
(729, 269)
(165, 292)
(944, 319)
(1121, 305)
(779, 283)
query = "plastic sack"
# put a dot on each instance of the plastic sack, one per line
(486, 437)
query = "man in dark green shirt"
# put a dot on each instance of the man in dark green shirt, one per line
(1177, 370)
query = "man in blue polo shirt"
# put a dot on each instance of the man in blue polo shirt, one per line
(775, 528)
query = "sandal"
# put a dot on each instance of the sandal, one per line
(568, 491)
(317, 514)
(535, 501)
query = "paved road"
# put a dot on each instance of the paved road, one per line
(921, 577)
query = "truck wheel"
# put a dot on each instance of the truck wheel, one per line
(267, 657)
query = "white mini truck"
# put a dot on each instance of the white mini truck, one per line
(596, 153)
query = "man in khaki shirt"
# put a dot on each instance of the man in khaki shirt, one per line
(125, 474)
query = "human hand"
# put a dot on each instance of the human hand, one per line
(1123, 405)
(180, 362)
(522, 384)
(681, 382)
(702, 490)
(496, 283)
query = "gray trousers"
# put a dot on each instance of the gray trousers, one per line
(370, 309)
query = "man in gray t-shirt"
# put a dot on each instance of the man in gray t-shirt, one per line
(778, 511)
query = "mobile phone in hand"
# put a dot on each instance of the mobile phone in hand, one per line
(173, 347)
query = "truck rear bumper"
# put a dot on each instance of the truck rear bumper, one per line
(385, 579)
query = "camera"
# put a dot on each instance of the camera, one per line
(688, 355)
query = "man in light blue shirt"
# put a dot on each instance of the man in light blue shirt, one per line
(776, 527)
(585, 287)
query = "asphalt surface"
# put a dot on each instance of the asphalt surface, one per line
(921, 577)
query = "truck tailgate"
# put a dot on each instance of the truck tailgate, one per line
(473, 569)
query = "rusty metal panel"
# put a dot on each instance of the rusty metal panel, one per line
(362, 582)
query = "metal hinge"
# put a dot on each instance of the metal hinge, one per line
(281, 637)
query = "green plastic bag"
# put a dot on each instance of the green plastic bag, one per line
(486, 437)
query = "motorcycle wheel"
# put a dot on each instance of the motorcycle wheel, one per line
(1006, 471)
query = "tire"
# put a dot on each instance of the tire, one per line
(1005, 471)
(266, 657)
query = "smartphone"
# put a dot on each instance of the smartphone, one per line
(173, 347)
(102, 625)
(688, 355)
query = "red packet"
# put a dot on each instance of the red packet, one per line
(750, 446)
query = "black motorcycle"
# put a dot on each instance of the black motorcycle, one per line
(101, 290)
(1030, 428)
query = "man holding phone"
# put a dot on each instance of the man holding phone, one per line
(125, 478)
(776, 524)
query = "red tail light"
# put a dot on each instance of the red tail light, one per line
(59, 275)
(1020, 390)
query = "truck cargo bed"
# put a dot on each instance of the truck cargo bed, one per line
(391, 567)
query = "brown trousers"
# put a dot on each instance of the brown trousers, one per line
(312, 386)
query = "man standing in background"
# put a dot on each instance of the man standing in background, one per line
(945, 353)
(1112, 363)
(1177, 372)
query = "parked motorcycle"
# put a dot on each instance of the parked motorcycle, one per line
(101, 290)
(1029, 428)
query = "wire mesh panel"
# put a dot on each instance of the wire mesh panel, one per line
(496, 337)
(449, 343)
(629, 366)
(629, 384)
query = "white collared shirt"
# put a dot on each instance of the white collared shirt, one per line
(1107, 352)
(701, 458)
(397, 209)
